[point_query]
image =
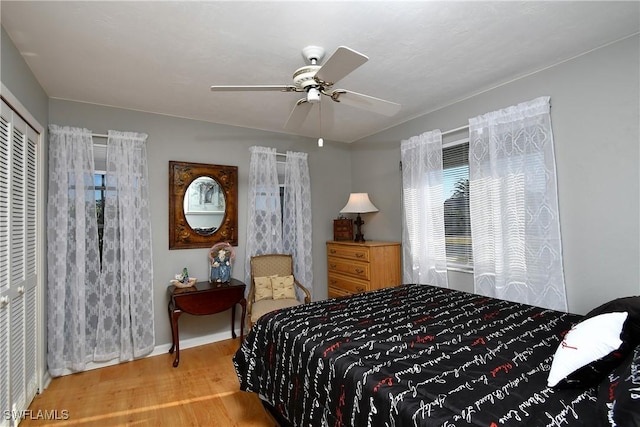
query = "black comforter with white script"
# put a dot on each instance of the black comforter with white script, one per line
(414, 355)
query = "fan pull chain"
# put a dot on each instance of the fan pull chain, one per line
(320, 140)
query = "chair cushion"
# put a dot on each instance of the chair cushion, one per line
(283, 287)
(263, 288)
(267, 305)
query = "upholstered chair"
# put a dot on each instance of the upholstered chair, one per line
(273, 286)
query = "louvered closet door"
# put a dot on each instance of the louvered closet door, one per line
(18, 267)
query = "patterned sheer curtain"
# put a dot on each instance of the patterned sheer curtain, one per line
(264, 217)
(73, 256)
(97, 313)
(423, 238)
(296, 225)
(125, 319)
(515, 224)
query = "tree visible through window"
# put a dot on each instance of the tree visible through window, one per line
(457, 224)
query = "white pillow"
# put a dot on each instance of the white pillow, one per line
(584, 346)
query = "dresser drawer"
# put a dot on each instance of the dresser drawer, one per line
(347, 284)
(338, 293)
(349, 252)
(346, 266)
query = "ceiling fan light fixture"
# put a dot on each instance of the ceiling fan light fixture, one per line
(313, 95)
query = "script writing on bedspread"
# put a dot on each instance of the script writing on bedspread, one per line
(414, 355)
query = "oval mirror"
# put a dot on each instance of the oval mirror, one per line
(204, 205)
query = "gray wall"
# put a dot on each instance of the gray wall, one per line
(172, 138)
(594, 116)
(18, 78)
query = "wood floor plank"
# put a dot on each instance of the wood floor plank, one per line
(202, 391)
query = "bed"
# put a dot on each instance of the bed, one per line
(415, 355)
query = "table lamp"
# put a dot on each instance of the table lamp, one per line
(359, 203)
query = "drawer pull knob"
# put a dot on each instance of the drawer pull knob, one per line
(332, 265)
(333, 281)
(333, 251)
(359, 255)
(359, 288)
(359, 270)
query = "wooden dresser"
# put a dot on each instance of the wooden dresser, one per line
(358, 267)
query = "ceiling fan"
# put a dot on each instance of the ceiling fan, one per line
(317, 80)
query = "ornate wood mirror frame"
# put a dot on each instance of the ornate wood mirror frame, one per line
(181, 234)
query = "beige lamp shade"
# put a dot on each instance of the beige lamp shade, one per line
(359, 203)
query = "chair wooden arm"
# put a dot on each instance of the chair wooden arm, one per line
(307, 297)
(250, 297)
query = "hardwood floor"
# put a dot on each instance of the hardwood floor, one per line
(202, 391)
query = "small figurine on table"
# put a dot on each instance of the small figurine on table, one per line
(220, 256)
(182, 280)
(185, 276)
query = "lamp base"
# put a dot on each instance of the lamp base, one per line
(359, 236)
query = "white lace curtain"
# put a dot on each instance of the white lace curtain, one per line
(266, 232)
(125, 323)
(515, 226)
(423, 237)
(264, 216)
(97, 314)
(296, 224)
(73, 257)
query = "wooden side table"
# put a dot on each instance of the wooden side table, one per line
(202, 299)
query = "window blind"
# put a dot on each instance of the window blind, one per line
(455, 164)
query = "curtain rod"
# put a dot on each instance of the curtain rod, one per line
(102, 135)
(455, 130)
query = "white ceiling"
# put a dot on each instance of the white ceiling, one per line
(162, 57)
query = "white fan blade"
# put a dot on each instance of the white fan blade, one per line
(366, 102)
(343, 61)
(260, 88)
(298, 114)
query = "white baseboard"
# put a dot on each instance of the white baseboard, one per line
(46, 380)
(193, 342)
(157, 350)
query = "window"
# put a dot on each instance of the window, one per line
(100, 186)
(281, 165)
(457, 224)
(266, 196)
